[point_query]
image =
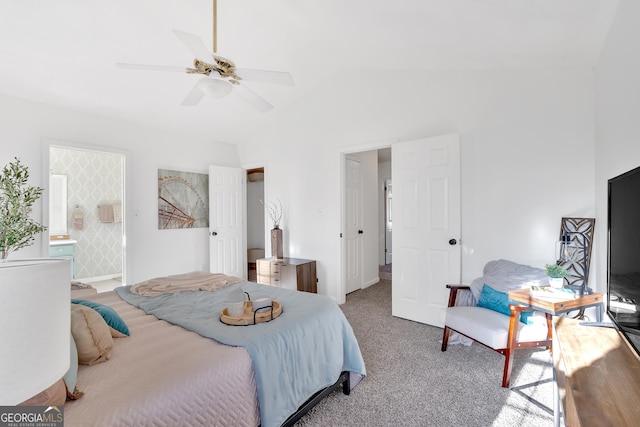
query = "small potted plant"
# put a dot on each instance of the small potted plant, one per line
(556, 274)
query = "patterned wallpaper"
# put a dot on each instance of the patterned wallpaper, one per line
(93, 179)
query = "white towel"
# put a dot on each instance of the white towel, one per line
(117, 212)
(78, 219)
(106, 213)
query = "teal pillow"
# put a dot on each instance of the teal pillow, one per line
(499, 301)
(108, 314)
(526, 317)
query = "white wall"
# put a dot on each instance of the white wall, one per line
(527, 160)
(527, 155)
(617, 124)
(150, 252)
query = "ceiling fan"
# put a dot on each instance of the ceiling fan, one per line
(220, 75)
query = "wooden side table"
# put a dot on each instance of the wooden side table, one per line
(553, 307)
(522, 300)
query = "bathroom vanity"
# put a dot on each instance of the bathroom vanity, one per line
(64, 249)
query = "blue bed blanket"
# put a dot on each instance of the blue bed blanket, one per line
(295, 355)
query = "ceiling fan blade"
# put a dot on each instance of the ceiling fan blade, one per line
(273, 77)
(196, 46)
(152, 67)
(194, 96)
(252, 98)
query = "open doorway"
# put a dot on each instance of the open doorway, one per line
(86, 212)
(367, 243)
(386, 213)
(388, 220)
(255, 220)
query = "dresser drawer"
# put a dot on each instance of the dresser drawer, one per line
(264, 272)
(268, 272)
(60, 250)
(275, 277)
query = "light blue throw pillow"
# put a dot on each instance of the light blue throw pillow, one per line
(108, 314)
(499, 301)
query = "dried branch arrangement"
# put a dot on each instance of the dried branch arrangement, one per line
(274, 210)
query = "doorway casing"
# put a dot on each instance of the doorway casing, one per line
(342, 156)
(46, 147)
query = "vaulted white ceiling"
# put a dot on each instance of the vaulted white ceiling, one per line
(63, 52)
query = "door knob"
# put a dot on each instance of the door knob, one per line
(360, 232)
(453, 242)
(213, 233)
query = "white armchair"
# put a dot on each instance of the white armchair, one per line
(481, 311)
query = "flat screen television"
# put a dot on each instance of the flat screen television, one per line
(623, 260)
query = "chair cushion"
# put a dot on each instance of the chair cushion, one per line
(490, 327)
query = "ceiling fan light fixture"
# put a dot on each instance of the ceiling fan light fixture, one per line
(218, 76)
(215, 88)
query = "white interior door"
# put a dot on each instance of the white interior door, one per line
(426, 225)
(226, 207)
(353, 226)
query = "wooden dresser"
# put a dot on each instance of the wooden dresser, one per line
(598, 375)
(289, 273)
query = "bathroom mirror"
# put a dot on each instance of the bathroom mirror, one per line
(57, 204)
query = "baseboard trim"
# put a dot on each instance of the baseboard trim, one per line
(115, 276)
(371, 282)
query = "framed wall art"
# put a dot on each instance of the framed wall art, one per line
(183, 199)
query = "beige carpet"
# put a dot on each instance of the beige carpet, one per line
(385, 272)
(410, 382)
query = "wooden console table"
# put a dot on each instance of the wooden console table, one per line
(597, 374)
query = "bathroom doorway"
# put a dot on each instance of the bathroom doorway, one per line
(91, 232)
(255, 221)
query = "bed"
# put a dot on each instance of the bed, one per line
(166, 374)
